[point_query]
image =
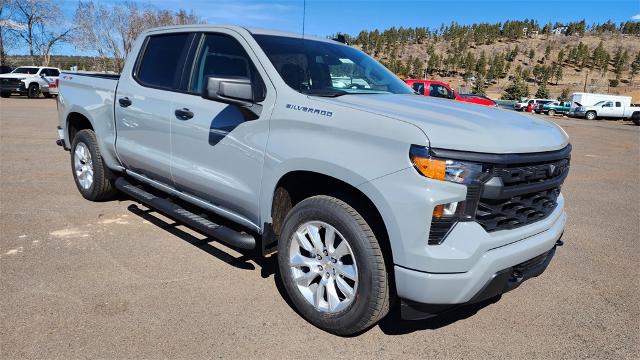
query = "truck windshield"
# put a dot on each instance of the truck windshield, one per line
(26, 70)
(324, 69)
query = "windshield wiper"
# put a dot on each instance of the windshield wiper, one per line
(326, 93)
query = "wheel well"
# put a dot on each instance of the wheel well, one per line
(75, 123)
(299, 185)
(33, 83)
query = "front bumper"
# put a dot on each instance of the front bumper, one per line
(578, 114)
(462, 287)
(13, 87)
(501, 282)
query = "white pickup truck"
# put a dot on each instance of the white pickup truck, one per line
(369, 193)
(606, 109)
(31, 81)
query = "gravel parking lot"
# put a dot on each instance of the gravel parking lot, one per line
(111, 280)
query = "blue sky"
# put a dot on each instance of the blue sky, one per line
(325, 17)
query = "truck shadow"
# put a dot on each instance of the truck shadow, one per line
(392, 324)
(267, 265)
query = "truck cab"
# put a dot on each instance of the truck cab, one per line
(367, 192)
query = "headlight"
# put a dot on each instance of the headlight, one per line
(445, 216)
(460, 172)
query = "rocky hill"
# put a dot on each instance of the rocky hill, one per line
(488, 58)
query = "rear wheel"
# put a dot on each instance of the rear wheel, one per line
(552, 112)
(332, 267)
(33, 91)
(591, 115)
(93, 179)
(5, 94)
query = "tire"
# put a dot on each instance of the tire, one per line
(370, 297)
(590, 115)
(5, 94)
(100, 187)
(551, 113)
(33, 92)
(47, 95)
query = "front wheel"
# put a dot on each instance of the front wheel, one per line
(33, 91)
(332, 267)
(591, 115)
(92, 177)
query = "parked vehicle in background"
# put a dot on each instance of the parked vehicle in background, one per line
(439, 89)
(522, 105)
(5, 69)
(635, 117)
(587, 99)
(556, 107)
(538, 107)
(367, 193)
(618, 108)
(477, 99)
(29, 80)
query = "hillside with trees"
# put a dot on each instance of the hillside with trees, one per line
(516, 58)
(508, 60)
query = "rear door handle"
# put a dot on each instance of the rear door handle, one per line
(124, 102)
(184, 114)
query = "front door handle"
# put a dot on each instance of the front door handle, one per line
(184, 114)
(124, 102)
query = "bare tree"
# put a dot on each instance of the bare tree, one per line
(110, 31)
(8, 29)
(40, 20)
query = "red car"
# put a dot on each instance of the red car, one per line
(440, 89)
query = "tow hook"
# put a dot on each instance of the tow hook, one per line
(559, 242)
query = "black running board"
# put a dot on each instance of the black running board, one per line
(221, 233)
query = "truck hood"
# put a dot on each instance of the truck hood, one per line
(458, 125)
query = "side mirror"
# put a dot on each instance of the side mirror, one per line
(233, 90)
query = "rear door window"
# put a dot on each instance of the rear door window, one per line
(437, 90)
(419, 88)
(161, 64)
(618, 104)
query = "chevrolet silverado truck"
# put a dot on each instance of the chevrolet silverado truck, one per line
(31, 81)
(371, 196)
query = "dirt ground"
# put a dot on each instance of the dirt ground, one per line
(111, 280)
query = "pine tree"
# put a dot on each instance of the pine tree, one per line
(532, 54)
(481, 65)
(560, 56)
(516, 90)
(543, 92)
(547, 52)
(564, 95)
(479, 86)
(635, 68)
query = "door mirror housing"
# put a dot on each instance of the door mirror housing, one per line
(233, 90)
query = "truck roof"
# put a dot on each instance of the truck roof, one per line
(252, 30)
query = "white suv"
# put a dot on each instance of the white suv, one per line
(30, 81)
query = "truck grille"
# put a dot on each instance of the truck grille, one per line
(520, 194)
(10, 83)
(520, 210)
